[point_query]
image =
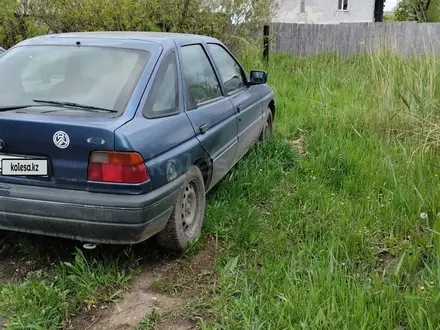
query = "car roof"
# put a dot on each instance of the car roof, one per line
(156, 37)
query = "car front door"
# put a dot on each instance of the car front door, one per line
(209, 110)
(245, 99)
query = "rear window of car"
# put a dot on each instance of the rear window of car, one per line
(95, 76)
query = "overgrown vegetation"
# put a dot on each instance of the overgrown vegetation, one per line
(433, 12)
(236, 22)
(347, 236)
(416, 10)
(412, 10)
(46, 302)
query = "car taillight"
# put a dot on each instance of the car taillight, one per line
(119, 167)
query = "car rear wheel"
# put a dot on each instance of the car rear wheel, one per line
(186, 221)
(267, 127)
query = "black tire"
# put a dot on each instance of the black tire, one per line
(267, 130)
(178, 233)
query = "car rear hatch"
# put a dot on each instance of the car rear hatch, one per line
(63, 141)
(61, 98)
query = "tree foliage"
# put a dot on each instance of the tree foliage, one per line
(433, 13)
(411, 10)
(16, 23)
(233, 21)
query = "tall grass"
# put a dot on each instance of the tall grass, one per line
(46, 302)
(346, 237)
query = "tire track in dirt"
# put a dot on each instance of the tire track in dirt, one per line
(163, 289)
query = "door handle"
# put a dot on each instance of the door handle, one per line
(203, 128)
(239, 108)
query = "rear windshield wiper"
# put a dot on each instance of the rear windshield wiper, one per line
(71, 104)
(75, 105)
(16, 107)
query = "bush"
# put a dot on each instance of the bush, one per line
(433, 13)
(411, 10)
(16, 23)
(232, 22)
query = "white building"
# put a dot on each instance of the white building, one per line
(329, 11)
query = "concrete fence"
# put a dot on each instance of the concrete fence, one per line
(346, 39)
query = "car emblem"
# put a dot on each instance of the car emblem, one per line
(2, 145)
(61, 139)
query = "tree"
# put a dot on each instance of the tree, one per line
(15, 22)
(233, 21)
(412, 10)
(433, 13)
(236, 22)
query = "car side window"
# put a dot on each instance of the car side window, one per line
(231, 72)
(199, 75)
(164, 96)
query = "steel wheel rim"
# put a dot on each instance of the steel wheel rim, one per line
(190, 207)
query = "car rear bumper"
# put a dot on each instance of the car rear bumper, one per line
(87, 216)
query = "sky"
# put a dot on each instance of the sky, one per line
(390, 4)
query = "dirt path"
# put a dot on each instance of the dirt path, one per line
(165, 290)
(139, 302)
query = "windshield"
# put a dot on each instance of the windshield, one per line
(94, 76)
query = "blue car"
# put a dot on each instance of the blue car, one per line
(2, 50)
(116, 137)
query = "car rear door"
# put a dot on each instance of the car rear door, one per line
(245, 99)
(210, 112)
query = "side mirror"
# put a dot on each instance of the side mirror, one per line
(258, 77)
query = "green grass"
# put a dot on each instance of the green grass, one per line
(149, 322)
(46, 302)
(301, 236)
(343, 236)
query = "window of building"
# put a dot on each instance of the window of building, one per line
(342, 4)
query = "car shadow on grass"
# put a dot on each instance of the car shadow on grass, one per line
(22, 253)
